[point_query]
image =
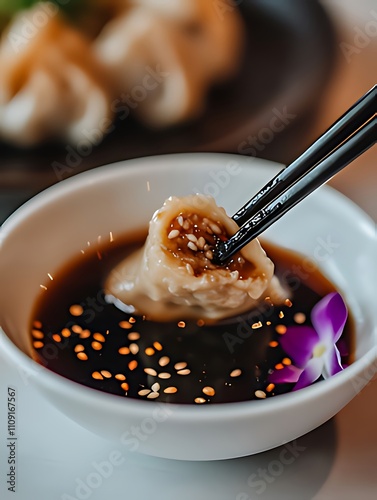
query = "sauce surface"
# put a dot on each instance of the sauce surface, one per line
(78, 335)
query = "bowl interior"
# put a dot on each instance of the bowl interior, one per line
(55, 226)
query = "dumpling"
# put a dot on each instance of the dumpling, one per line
(164, 56)
(174, 277)
(51, 86)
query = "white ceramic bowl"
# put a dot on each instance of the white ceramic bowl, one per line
(52, 228)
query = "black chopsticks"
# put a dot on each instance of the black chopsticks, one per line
(351, 135)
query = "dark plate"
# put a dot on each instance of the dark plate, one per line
(290, 53)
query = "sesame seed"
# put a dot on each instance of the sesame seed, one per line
(75, 328)
(273, 343)
(173, 234)
(184, 372)
(134, 336)
(260, 394)
(57, 337)
(181, 324)
(124, 351)
(215, 228)
(37, 334)
(164, 361)
(106, 373)
(281, 329)
(99, 337)
(299, 318)
(37, 324)
(79, 348)
(180, 220)
(149, 351)
(286, 361)
(201, 242)
(82, 356)
(156, 387)
(153, 395)
(97, 376)
(190, 269)
(208, 391)
(209, 254)
(180, 366)
(157, 346)
(199, 401)
(125, 386)
(270, 387)
(235, 373)
(170, 390)
(85, 334)
(38, 344)
(66, 333)
(132, 365)
(134, 348)
(186, 225)
(144, 392)
(150, 371)
(126, 325)
(120, 376)
(192, 246)
(76, 310)
(192, 237)
(164, 375)
(97, 346)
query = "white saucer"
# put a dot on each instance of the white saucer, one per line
(58, 460)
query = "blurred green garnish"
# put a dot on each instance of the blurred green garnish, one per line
(10, 7)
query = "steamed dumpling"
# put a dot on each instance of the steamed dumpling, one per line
(173, 276)
(164, 56)
(50, 83)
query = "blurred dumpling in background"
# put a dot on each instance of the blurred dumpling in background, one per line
(51, 85)
(166, 55)
(185, 43)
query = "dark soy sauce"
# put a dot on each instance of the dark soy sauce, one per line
(78, 335)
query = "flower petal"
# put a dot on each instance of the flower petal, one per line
(298, 342)
(329, 316)
(333, 363)
(310, 374)
(289, 374)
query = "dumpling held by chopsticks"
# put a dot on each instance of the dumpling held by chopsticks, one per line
(173, 276)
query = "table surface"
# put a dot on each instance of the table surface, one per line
(336, 461)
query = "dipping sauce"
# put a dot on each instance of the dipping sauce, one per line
(79, 335)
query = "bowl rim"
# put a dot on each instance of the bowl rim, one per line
(182, 412)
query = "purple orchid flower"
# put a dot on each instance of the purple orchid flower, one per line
(313, 350)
